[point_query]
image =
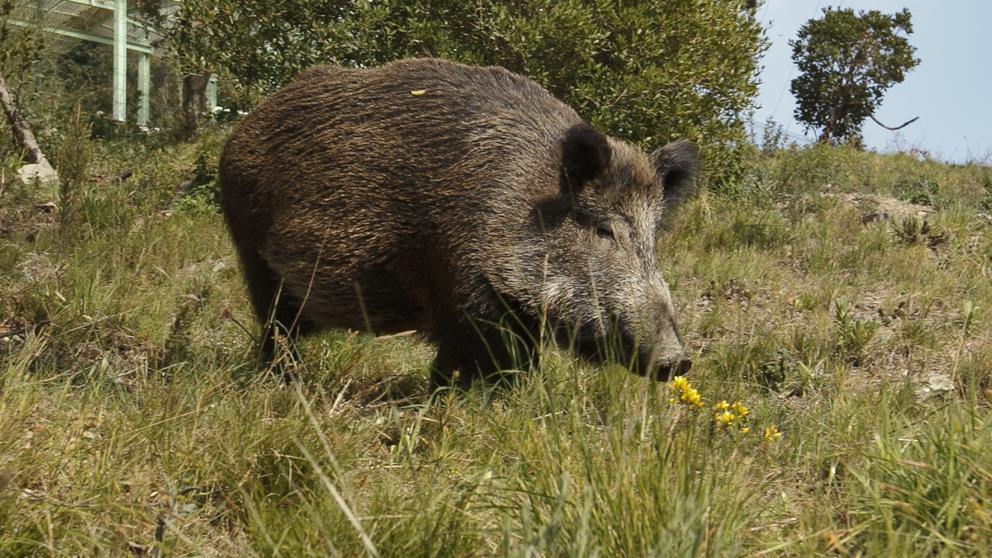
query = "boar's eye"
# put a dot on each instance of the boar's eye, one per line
(605, 231)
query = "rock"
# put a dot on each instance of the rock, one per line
(44, 174)
(934, 384)
(882, 208)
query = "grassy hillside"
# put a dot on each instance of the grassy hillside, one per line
(843, 298)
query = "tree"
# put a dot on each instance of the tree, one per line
(644, 70)
(259, 43)
(189, 42)
(847, 62)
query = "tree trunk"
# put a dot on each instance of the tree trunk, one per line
(194, 101)
(24, 137)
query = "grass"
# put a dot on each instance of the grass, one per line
(133, 423)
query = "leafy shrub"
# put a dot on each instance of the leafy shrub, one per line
(853, 334)
(646, 71)
(200, 194)
(986, 202)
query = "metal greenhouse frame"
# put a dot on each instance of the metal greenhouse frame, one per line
(105, 22)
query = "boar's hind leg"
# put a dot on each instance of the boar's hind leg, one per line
(277, 310)
(284, 321)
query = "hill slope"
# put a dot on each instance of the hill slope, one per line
(842, 297)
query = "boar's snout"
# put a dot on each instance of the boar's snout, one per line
(665, 370)
(665, 356)
(663, 361)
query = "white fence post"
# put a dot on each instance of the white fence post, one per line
(120, 60)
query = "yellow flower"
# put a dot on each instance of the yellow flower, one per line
(731, 414)
(772, 434)
(684, 392)
(691, 398)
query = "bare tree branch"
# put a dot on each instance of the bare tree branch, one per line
(23, 134)
(899, 127)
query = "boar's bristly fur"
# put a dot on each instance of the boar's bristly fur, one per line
(463, 202)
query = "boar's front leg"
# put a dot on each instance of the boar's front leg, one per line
(471, 352)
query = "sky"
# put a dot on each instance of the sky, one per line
(950, 90)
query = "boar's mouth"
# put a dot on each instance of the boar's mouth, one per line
(619, 345)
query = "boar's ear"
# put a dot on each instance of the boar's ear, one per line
(585, 155)
(676, 164)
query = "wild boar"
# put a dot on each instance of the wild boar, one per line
(463, 202)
